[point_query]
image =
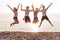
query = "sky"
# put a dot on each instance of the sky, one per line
(6, 15)
(37, 3)
(53, 10)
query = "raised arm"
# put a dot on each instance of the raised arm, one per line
(22, 9)
(10, 7)
(32, 7)
(18, 6)
(40, 8)
(49, 5)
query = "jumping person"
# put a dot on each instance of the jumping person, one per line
(15, 11)
(44, 10)
(26, 18)
(35, 20)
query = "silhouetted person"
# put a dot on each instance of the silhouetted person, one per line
(26, 18)
(44, 10)
(35, 20)
(15, 11)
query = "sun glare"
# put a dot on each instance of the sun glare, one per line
(34, 27)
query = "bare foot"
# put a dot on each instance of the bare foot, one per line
(52, 25)
(39, 25)
(11, 24)
(23, 18)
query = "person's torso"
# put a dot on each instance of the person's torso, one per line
(26, 12)
(35, 14)
(15, 13)
(44, 12)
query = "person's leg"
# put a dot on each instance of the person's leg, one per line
(12, 23)
(15, 21)
(41, 20)
(25, 19)
(49, 21)
(37, 19)
(40, 23)
(34, 20)
(28, 19)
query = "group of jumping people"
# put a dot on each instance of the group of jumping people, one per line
(27, 10)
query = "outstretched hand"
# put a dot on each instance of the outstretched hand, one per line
(7, 5)
(19, 3)
(50, 3)
(41, 4)
(32, 6)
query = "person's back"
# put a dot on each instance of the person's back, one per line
(35, 14)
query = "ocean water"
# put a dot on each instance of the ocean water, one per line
(30, 27)
(5, 21)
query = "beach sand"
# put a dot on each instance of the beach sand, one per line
(29, 36)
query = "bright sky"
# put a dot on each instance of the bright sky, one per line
(55, 8)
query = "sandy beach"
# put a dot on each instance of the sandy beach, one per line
(29, 36)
